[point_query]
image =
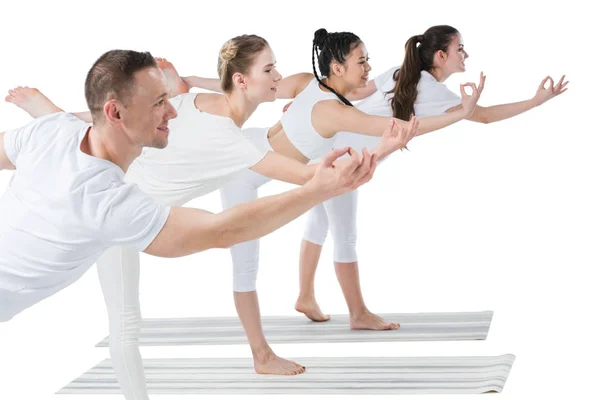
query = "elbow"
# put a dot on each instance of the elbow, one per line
(481, 116)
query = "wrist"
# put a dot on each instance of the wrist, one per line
(313, 192)
(381, 151)
(309, 172)
(466, 113)
(189, 81)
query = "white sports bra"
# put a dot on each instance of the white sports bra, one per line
(297, 124)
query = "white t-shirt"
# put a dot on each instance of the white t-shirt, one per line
(205, 151)
(62, 209)
(433, 98)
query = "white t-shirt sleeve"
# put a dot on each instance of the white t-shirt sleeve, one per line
(16, 140)
(37, 133)
(385, 82)
(132, 218)
(252, 145)
(251, 154)
(434, 98)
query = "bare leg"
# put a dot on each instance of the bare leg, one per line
(265, 360)
(360, 316)
(32, 101)
(306, 303)
(175, 84)
(341, 213)
(245, 260)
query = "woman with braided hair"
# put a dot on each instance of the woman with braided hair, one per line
(305, 132)
(414, 88)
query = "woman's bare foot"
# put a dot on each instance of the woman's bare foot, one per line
(175, 84)
(32, 101)
(368, 320)
(269, 363)
(311, 309)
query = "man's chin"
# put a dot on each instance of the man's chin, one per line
(160, 143)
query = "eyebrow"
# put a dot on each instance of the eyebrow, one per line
(270, 65)
(161, 96)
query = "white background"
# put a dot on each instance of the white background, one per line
(499, 217)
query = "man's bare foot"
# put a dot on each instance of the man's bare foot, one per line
(32, 101)
(311, 309)
(271, 364)
(368, 320)
(175, 84)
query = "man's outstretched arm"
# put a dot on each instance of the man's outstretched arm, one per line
(189, 230)
(5, 162)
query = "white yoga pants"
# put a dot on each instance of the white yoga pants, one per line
(340, 211)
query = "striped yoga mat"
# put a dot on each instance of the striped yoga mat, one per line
(298, 329)
(365, 376)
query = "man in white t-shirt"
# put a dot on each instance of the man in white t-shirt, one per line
(68, 202)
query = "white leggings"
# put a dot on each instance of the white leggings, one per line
(119, 273)
(242, 190)
(340, 210)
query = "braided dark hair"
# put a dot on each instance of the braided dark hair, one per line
(329, 47)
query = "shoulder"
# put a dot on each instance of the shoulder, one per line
(207, 101)
(60, 121)
(302, 81)
(386, 79)
(330, 107)
(51, 127)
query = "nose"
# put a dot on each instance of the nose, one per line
(466, 55)
(367, 67)
(277, 76)
(171, 112)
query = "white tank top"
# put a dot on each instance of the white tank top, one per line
(297, 124)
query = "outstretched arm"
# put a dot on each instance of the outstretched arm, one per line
(279, 167)
(282, 168)
(330, 117)
(362, 93)
(189, 230)
(500, 112)
(463, 111)
(212, 84)
(287, 88)
(5, 163)
(36, 104)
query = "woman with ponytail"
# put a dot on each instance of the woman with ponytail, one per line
(307, 129)
(414, 88)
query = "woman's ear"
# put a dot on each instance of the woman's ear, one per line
(239, 80)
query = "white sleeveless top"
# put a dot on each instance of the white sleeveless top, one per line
(297, 124)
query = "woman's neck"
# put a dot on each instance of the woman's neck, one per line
(439, 74)
(338, 85)
(239, 107)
